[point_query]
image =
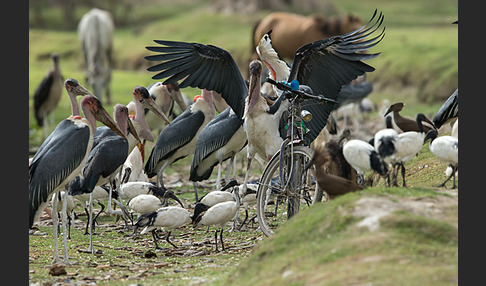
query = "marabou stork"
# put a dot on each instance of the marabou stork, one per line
(63, 154)
(323, 65)
(448, 111)
(105, 161)
(178, 139)
(405, 123)
(218, 141)
(446, 148)
(48, 94)
(170, 217)
(164, 96)
(142, 101)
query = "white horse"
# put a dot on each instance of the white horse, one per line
(95, 31)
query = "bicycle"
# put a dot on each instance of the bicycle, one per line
(288, 184)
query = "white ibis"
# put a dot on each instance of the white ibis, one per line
(178, 139)
(218, 141)
(218, 196)
(170, 217)
(405, 123)
(217, 215)
(62, 155)
(407, 146)
(48, 94)
(146, 203)
(448, 111)
(363, 158)
(446, 148)
(384, 140)
(129, 190)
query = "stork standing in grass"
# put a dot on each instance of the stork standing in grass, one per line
(179, 138)
(47, 95)
(71, 140)
(104, 162)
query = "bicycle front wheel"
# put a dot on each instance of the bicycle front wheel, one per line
(286, 188)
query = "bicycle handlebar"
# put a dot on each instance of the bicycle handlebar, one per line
(287, 87)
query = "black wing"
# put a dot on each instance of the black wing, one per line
(59, 155)
(214, 136)
(202, 66)
(175, 135)
(326, 65)
(448, 110)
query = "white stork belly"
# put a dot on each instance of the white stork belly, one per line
(263, 137)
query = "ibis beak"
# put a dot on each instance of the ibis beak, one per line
(171, 195)
(150, 104)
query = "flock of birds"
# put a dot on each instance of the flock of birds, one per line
(91, 164)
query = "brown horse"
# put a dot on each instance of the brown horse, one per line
(291, 31)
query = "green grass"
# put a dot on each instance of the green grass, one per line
(324, 246)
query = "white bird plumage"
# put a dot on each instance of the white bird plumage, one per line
(170, 217)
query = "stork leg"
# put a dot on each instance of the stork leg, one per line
(195, 190)
(218, 179)
(55, 224)
(64, 224)
(90, 222)
(247, 175)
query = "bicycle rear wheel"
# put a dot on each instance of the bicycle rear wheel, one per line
(285, 191)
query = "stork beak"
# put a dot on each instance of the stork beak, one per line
(102, 115)
(388, 111)
(132, 130)
(254, 85)
(150, 104)
(176, 95)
